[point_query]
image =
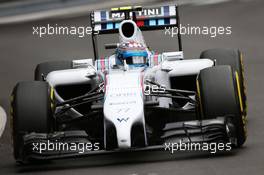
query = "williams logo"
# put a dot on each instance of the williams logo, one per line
(123, 119)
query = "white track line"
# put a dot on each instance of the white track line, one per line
(2, 120)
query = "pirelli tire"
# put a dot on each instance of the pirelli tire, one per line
(219, 94)
(32, 106)
(234, 58)
(43, 69)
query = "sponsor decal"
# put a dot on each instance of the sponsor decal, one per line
(145, 12)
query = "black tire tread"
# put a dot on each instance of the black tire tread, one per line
(43, 69)
(218, 96)
(31, 111)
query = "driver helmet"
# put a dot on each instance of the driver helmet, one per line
(134, 53)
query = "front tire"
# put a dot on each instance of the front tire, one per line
(31, 111)
(43, 69)
(233, 58)
(219, 95)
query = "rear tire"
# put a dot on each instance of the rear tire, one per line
(218, 95)
(31, 111)
(43, 69)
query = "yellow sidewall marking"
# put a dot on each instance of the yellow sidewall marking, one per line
(199, 96)
(243, 77)
(52, 93)
(244, 119)
(239, 92)
(52, 106)
(52, 96)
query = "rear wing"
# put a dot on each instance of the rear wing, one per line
(146, 18)
(151, 18)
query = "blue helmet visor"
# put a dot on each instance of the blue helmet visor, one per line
(129, 53)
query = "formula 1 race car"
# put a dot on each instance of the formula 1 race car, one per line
(135, 99)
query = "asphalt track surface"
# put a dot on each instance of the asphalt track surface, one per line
(20, 51)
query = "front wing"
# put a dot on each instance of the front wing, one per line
(219, 130)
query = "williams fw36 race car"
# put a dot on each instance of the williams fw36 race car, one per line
(135, 99)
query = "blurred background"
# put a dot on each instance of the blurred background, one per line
(21, 51)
